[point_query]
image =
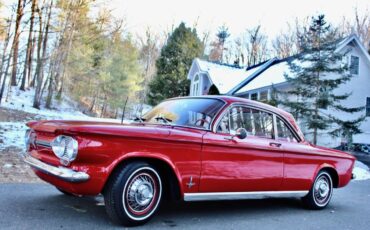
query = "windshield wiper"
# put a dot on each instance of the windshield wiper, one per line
(164, 119)
(139, 119)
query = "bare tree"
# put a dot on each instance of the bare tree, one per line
(149, 53)
(4, 72)
(15, 46)
(288, 43)
(255, 44)
(360, 26)
(28, 60)
(39, 74)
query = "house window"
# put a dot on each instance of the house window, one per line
(368, 106)
(254, 96)
(196, 85)
(263, 96)
(354, 65)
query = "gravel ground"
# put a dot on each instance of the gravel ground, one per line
(41, 206)
(12, 168)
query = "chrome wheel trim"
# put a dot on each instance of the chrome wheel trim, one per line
(141, 193)
(322, 189)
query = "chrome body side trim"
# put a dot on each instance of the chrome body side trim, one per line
(43, 143)
(242, 195)
(59, 172)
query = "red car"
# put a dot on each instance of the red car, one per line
(191, 148)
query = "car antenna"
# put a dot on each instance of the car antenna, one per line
(123, 111)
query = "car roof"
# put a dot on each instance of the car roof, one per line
(231, 100)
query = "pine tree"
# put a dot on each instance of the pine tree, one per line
(313, 94)
(173, 64)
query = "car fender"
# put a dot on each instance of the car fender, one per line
(151, 155)
(319, 168)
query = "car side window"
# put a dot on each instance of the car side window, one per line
(257, 123)
(283, 132)
(223, 126)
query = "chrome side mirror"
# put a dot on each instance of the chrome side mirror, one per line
(241, 133)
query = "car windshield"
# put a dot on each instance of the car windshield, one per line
(192, 112)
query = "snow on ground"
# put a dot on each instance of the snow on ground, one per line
(23, 100)
(12, 134)
(361, 171)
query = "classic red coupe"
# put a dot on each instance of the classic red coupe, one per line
(191, 148)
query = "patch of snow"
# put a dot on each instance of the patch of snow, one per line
(12, 134)
(7, 165)
(23, 100)
(361, 171)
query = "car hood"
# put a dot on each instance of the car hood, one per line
(104, 128)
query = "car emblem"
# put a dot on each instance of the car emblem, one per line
(190, 184)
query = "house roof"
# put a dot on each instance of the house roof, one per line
(232, 80)
(224, 77)
(274, 74)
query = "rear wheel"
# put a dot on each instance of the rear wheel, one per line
(320, 193)
(133, 194)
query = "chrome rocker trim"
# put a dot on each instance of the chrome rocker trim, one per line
(59, 172)
(242, 195)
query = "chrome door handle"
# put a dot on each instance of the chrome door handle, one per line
(275, 144)
(230, 138)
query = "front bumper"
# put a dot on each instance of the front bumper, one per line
(63, 173)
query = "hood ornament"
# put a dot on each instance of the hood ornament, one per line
(190, 184)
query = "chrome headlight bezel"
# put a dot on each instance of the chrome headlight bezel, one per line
(29, 139)
(65, 148)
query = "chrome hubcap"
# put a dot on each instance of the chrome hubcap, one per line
(140, 192)
(322, 190)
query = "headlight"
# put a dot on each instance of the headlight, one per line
(65, 148)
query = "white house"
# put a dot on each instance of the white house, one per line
(256, 83)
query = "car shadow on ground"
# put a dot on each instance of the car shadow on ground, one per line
(171, 214)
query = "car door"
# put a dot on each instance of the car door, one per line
(300, 162)
(239, 165)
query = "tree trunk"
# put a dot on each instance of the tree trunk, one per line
(96, 95)
(5, 72)
(41, 60)
(28, 60)
(4, 80)
(103, 106)
(5, 46)
(31, 81)
(15, 45)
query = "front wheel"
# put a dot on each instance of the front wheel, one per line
(320, 193)
(133, 194)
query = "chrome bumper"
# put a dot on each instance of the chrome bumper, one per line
(59, 172)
